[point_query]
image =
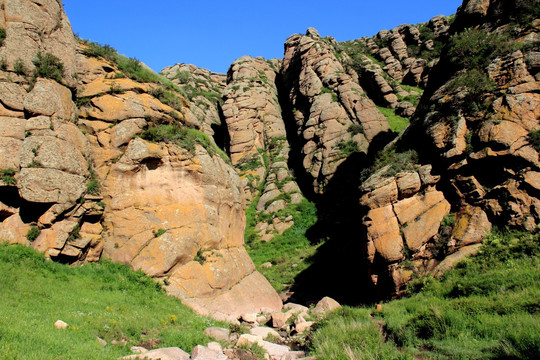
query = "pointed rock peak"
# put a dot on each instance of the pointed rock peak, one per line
(312, 32)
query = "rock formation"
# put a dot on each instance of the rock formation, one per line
(481, 114)
(99, 155)
(78, 183)
(333, 116)
(476, 125)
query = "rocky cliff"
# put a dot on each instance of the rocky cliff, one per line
(102, 157)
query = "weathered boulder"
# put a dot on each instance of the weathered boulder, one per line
(403, 220)
(170, 353)
(204, 101)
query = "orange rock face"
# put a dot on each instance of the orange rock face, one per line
(180, 216)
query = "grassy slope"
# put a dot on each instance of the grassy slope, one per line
(285, 250)
(486, 308)
(106, 300)
(396, 122)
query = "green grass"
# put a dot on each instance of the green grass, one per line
(8, 176)
(48, 66)
(486, 308)
(130, 67)
(184, 137)
(2, 36)
(396, 122)
(291, 247)
(534, 139)
(351, 334)
(105, 300)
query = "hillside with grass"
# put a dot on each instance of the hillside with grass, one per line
(106, 301)
(486, 308)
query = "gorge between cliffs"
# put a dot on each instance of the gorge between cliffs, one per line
(350, 170)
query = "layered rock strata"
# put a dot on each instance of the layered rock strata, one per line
(259, 146)
(333, 116)
(481, 131)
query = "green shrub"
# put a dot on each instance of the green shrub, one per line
(347, 148)
(94, 186)
(33, 233)
(167, 97)
(524, 12)
(130, 67)
(199, 257)
(159, 232)
(75, 233)
(534, 139)
(477, 84)
(355, 129)
(184, 137)
(83, 101)
(248, 163)
(2, 36)
(115, 89)
(449, 220)
(475, 48)
(396, 162)
(19, 67)
(325, 90)
(8, 176)
(183, 77)
(48, 66)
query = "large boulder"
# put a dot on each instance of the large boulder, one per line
(180, 216)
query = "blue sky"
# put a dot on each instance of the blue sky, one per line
(212, 34)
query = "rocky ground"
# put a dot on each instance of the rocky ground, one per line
(271, 336)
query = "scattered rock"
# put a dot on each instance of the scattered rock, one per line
(279, 320)
(220, 334)
(248, 339)
(138, 349)
(249, 318)
(59, 324)
(263, 332)
(170, 353)
(275, 351)
(205, 353)
(326, 305)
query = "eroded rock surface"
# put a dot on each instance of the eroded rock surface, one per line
(78, 182)
(332, 115)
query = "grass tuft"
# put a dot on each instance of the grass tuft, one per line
(396, 122)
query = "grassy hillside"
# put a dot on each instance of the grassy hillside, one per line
(486, 308)
(104, 300)
(289, 253)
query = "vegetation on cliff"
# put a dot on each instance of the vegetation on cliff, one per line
(289, 253)
(105, 300)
